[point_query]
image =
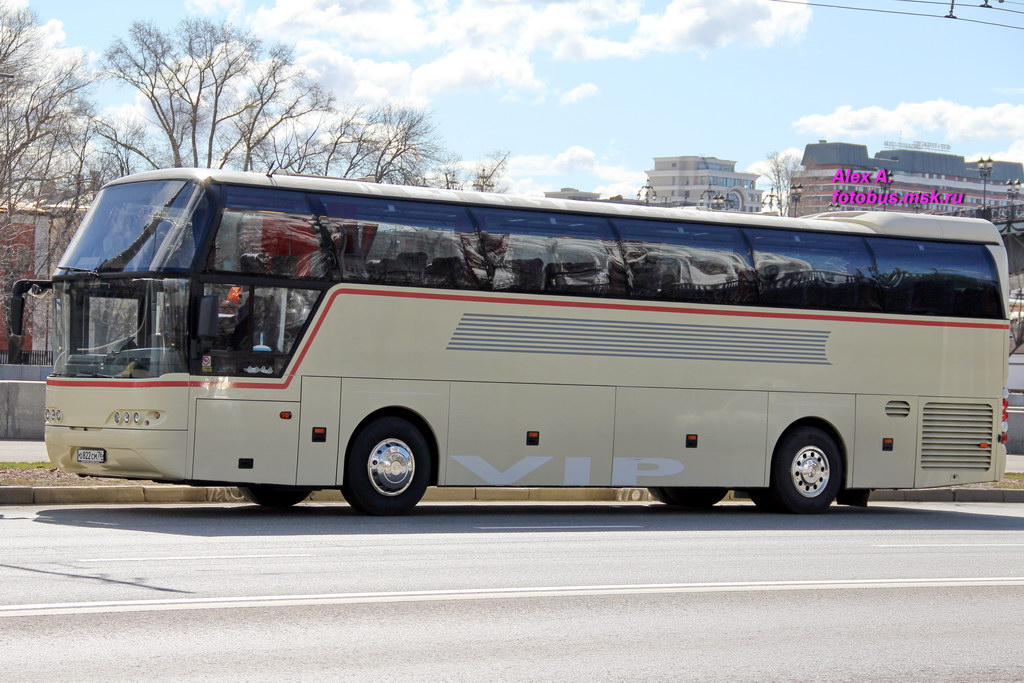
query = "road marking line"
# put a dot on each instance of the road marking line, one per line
(950, 545)
(566, 526)
(192, 557)
(50, 609)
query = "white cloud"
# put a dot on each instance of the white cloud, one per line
(448, 44)
(577, 166)
(761, 166)
(580, 92)
(953, 121)
(473, 68)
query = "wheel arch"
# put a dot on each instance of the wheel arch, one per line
(415, 419)
(825, 426)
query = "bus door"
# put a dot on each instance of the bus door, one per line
(319, 429)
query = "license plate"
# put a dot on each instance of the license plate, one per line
(91, 455)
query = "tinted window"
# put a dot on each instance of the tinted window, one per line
(528, 251)
(937, 278)
(687, 262)
(269, 243)
(263, 199)
(814, 270)
(397, 242)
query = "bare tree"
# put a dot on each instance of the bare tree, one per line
(43, 140)
(783, 167)
(403, 145)
(215, 94)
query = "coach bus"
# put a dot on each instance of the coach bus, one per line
(286, 334)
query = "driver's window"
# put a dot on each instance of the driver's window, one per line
(258, 328)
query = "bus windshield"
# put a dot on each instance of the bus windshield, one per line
(146, 226)
(120, 328)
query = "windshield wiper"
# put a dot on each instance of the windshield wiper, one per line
(72, 269)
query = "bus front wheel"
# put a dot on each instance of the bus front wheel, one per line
(806, 473)
(267, 495)
(387, 468)
(691, 497)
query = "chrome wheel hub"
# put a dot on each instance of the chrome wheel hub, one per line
(810, 471)
(391, 467)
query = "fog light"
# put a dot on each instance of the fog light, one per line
(117, 417)
(48, 415)
(136, 417)
(58, 415)
(127, 417)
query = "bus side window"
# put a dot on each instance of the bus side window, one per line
(269, 244)
(404, 243)
(555, 253)
(802, 269)
(937, 278)
(690, 262)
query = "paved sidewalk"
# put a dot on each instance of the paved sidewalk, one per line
(22, 451)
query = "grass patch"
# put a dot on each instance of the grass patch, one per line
(1014, 475)
(26, 465)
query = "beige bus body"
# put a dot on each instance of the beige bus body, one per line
(618, 392)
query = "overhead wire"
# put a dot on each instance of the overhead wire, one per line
(912, 14)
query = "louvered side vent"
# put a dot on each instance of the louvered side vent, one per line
(956, 436)
(897, 409)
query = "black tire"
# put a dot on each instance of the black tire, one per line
(271, 496)
(374, 489)
(697, 498)
(807, 471)
(764, 500)
(854, 497)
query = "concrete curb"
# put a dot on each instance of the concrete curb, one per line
(170, 493)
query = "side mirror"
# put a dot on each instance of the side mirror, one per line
(206, 327)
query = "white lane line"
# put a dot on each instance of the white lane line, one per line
(189, 557)
(50, 609)
(950, 545)
(566, 526)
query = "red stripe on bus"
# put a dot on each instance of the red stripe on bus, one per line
(667, 309)
(198, 384)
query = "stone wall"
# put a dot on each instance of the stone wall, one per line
(21, 407)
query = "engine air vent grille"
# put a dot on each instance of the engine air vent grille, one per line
(897, 409)
(956, 436)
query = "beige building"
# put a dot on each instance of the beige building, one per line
(703, 181)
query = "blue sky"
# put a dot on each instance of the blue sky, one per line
(585, 92)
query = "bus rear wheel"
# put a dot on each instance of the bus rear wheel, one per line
(387, 468)
(807, 471)
(268, 495)
(688, 497)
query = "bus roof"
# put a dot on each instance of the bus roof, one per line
(870, 222)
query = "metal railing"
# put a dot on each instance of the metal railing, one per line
(29, 357)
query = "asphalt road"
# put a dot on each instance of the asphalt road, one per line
(900, 591)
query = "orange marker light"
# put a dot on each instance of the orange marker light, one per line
(286, 414)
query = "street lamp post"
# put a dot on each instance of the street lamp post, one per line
(718, 202)
(1012, 192)
(647, 194)
(795, 193)
(886, 188)
(985, 171)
